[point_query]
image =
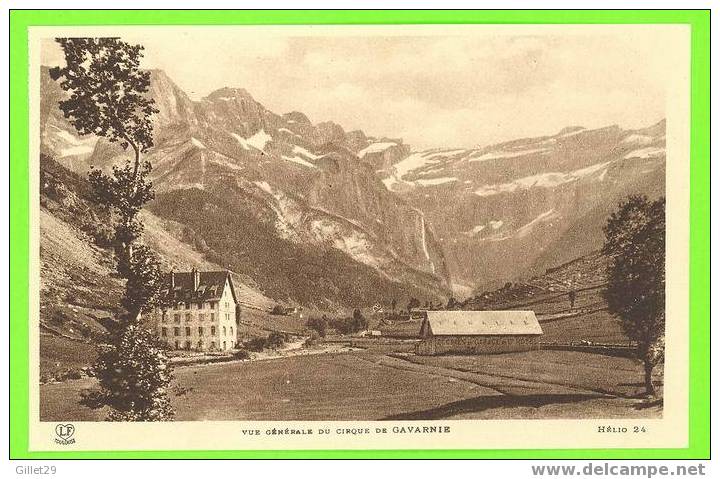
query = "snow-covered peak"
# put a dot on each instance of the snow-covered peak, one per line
(258, 141)
(376, 148)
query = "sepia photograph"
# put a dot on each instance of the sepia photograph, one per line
(456, 225)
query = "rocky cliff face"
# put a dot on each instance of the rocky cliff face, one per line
(422, 221)
(513, 209)
(299, 182)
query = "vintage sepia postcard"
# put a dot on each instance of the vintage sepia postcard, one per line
(382, 236)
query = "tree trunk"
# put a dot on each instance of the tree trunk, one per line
(649, 387)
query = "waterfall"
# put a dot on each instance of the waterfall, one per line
(424, 240)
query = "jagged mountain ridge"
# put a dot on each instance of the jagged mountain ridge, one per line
(516, 208)
(503, 211)
(302, 181)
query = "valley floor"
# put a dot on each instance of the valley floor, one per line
(371, 385)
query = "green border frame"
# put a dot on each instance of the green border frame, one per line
(699, 360)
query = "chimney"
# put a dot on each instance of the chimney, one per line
(196, 279)
(172, 279)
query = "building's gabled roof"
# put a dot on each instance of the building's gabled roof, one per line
(210, 287)
(463, 323)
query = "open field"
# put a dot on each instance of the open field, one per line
(373, 386)
(61, 354)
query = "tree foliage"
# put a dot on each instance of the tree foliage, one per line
(319, 324)
(635, 246)
(107, 97)
(413, 303)
(107, 91)
(134, 376)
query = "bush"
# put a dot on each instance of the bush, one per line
(59, 318)
(73, 374)
(255, 344)
(313, 340)
(319, 325)
(241, 354)
(276, 340)
(134, 374)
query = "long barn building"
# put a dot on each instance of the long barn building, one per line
(478, 332)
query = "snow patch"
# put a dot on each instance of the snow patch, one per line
(197, 143)
(375, 148)
(543, 217)
(76, 150)
(543, 180)
(572, 133)
(263, 185)
(299, 161)
(258, 141)
(436, 181)
(495, 224)
(67, 137)
(495, 155)
(412, 162)
(76, 146)
(354, 243)
(302, 151)
(390, 182)
(635, 139)
(645, 153)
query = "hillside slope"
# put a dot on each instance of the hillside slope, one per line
(297, 184)
(548, 295)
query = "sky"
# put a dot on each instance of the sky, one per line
(445, 89)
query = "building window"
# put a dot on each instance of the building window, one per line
(224, 331)
(176, 331)
(200, 344)
(212, 345)
(212, 317)
(201, 316)
(224, 345)
(164, 316)
(177, 344)
(231, 331)
(187, 331)
(163, 333)
(212, 330)
(212, 304)
(180, 305)
(200, 331)
(201, 305)
(187, 305)
(176, 318)
(188, 344)
(188, 317)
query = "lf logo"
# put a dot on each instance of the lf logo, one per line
(64, 434)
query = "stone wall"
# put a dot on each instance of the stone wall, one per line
(476, 344)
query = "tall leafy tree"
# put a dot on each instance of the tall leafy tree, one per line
(107, 97)
(635, 246)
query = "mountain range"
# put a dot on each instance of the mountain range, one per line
(314, 215)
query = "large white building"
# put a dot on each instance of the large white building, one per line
(202, 311)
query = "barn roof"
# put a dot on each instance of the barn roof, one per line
(210, 287)
(456, 323)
